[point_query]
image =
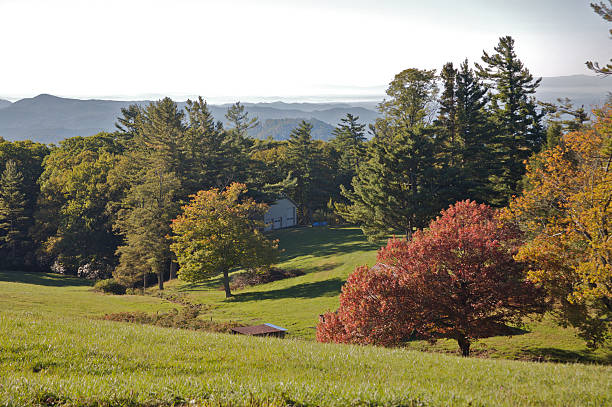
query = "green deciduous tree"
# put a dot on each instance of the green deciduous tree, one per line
(219, 231)
(74, 226)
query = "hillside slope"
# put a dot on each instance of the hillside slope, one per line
(64, 361)
(55, 350)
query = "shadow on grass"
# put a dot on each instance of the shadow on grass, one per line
(565, 356)
(44, 279)
(327, 288)
(321, 241)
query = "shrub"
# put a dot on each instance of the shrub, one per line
(256, 277)
(457, 279)
(110, 286)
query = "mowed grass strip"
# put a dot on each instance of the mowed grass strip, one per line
(78, 361)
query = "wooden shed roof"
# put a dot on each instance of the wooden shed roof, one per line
(258, 329)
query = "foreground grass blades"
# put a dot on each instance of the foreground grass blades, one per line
(80, 362)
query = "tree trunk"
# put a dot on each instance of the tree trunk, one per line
(144, 283)
(464, 345)
(226, 284)
(160, 278)
(172, 270)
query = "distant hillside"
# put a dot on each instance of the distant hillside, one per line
(279, 129)
(581, 89)
(49, 119)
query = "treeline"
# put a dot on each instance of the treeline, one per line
(100, 205)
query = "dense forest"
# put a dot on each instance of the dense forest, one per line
(102, 204)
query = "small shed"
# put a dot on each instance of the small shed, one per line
(281, 214)
(261, 330)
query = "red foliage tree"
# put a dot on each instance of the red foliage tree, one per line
(457, 279)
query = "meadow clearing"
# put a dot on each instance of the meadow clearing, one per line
(56, 350)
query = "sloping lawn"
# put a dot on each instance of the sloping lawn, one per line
(71, 361)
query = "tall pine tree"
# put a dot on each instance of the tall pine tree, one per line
(474, 130)
(396, 188)
(515, 116)
(12, 210)
(301, 159)
(349, 144)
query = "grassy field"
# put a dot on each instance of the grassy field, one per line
(326, 255)
(55, 350)
(68, 360)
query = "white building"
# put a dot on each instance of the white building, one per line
(282, 214)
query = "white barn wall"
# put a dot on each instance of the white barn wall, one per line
(282, 214)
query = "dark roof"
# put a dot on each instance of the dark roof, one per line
(258, 329)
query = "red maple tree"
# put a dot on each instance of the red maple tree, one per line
(456, 279)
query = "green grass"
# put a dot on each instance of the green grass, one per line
(54, 295)
(54, 349)
(77, 361)
(327, 255)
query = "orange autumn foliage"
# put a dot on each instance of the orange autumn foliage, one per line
(566, 212)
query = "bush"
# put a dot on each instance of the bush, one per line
(456, 279)
(110, 286)
(256, 277)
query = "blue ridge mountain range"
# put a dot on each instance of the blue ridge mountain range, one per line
(49, 119)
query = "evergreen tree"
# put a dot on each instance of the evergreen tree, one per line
(605, 11)
(239, 119)
(447, 114)
(161, 137)
(301, 156)
(144, 221)
(349, 143)
(215, 157)
(514, 113)
(474, 132)
(398, 187)
(12, 209)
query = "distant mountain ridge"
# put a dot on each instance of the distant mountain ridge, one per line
(49, 119)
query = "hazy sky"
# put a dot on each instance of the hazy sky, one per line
(269, 48)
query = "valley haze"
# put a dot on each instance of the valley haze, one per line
(50, 119)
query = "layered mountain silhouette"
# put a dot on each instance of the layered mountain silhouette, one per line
(49, 119)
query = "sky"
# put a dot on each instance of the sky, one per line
(275, 49)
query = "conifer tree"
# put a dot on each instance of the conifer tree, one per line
(301, 156)
(605, 11)
(349, 141)
(474, 132)
(518, 122)
(447, 114)
(397, 187)
(12, 209)
(239, 119)
(144, 222)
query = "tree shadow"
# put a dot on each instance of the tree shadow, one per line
(565, 356)
(321, 241)
(44, 279)
(326, 288)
